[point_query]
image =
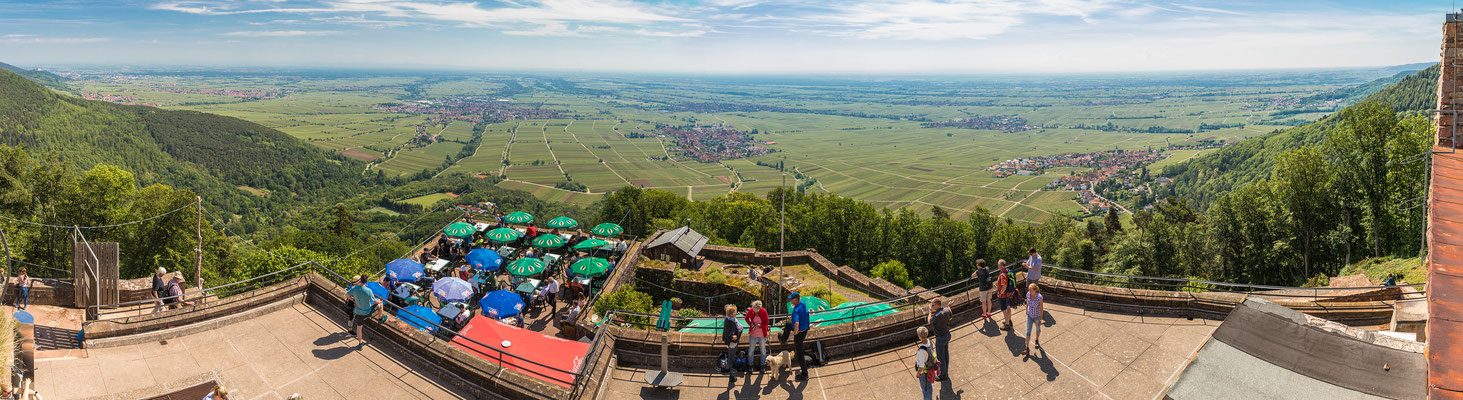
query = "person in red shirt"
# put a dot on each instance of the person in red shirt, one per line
(757, 323)
(532, 233)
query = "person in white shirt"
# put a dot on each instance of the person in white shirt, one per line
(1033, 267)
(551, 294)
(922, 355)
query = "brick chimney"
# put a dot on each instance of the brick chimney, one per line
(1450, 95)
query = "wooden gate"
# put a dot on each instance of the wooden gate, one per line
(95, 265)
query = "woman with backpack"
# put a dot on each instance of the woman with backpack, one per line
(926, 366)
(1005, 292)
(731, 333)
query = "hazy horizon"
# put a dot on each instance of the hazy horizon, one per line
(726, 37)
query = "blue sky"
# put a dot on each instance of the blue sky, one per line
(726, 36)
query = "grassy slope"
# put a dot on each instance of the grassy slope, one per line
(206, 153)
(42, 77)
(1206, 178)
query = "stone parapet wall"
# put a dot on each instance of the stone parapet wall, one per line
(847, 275)
(1450, 98)
(200, 311)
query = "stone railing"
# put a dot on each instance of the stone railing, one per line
(847, 275)
(202, 314)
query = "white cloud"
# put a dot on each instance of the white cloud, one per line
(32, 39)
(280, 33)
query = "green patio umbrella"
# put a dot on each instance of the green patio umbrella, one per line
(526, 267)
(518, 217)
(590, 244)
(548, 241)
(504, 235)
(814, 304)
(563, 223)
(606, 229)
(851, 311)
(591, 267)
(459, 229)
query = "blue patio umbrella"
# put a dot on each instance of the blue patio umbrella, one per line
(378, 290)
(484, 259)
(452, 289)
(403, 270)
(507, 303)
(420, 317)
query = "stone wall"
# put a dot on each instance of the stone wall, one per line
(94, 332)
(1450, 98)
(62, 292)
(848, 276)
(720, 295)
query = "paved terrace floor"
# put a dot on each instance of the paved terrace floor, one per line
(294, 350)
(1088, 355)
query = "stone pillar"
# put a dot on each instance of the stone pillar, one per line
(1450, 97)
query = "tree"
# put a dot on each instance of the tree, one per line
(982, 226)
(1358, 150)
(1010, 242)
(1112, 222)
(894, 272)
(1299, 182)
(342, 226)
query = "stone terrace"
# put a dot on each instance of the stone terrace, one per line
(1088, 355)
(294, 350)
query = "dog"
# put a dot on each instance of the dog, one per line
(779, 362)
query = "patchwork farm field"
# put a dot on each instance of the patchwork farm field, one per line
(896, 143)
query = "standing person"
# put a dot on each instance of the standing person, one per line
(1033, 267)
(531, 232)
(731, 334)
(159, 288)
(365, 304)
(1005, 292)
(22, 282)
(1034, 308)
(551, 295)
(800, 325)
(175, 290)
(757, 323)
(939, 321)
(923, 362)
(982, 277)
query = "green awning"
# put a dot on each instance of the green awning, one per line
(591, 267)
(590, 244)
(563, 223)
(548, 241)
(518, 217)
(526, 267)
(504, 235)
(459, 229)
(606, 229)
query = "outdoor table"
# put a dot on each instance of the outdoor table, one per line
(526, 286)
(566, 236)
(436, 265)
(405, 290)
(551, 259)
(584, 280)
(506, 251)
(449, 311)
(481, 226)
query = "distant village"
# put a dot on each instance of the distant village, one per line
(471, 109)
(1003, 123)
(712, 143)
(1112, 172)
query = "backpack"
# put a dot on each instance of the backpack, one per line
(932, 364)
(1004, 280)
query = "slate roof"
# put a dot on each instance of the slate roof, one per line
(684, 238)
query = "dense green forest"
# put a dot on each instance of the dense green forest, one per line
(1204, 179)
(359, 234)
(208, 154)
(44, 78)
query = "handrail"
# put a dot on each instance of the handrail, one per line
(1243, 285)
(200, 292)
(441, 328)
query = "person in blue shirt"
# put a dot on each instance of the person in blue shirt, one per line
(800, 325)
(365, 304)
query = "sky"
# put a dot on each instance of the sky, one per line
(726, 36)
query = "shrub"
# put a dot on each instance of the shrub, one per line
(894, 272)
(715, 278)
(625, 298)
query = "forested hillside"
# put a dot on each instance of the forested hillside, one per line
(209, 154)
(1202, 180)
(42, 77)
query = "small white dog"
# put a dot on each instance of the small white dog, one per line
(780, 362)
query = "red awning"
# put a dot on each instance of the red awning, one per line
(560, 354)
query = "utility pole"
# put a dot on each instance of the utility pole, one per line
(198, 251)
(782, 240)
(5, 242)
